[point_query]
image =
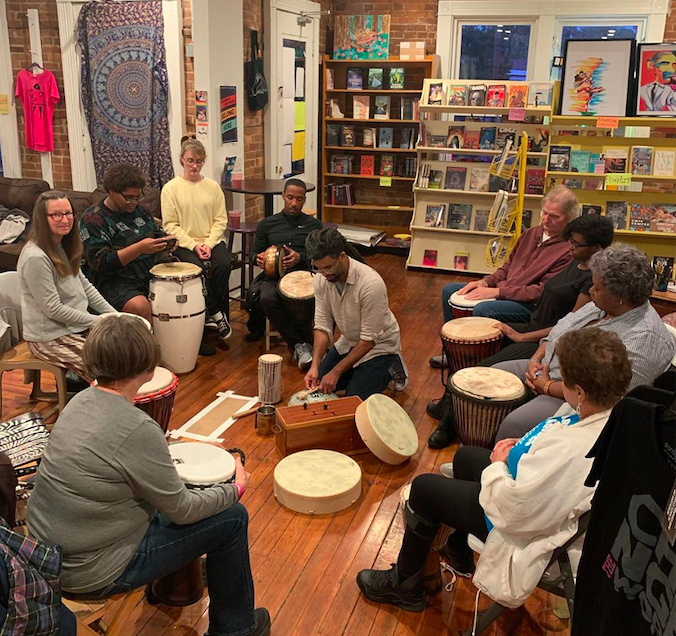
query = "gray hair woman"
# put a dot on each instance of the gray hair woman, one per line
(623, 282)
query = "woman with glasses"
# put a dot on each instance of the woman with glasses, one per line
(193, 211)
(57, 300)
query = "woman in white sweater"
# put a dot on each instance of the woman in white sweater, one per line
(523, 499)
(57, 300)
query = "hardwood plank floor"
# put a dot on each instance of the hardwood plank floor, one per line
(305, 567)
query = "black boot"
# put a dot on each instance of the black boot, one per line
(438, 408)
(445, 434)
(384, 586)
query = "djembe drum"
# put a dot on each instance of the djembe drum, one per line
(461, 307)
(467, 341)
(297, 293)
(156, 397)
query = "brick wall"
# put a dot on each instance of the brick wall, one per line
(670, 28)
(19, 40)
(189, 70)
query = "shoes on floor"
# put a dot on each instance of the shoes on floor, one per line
(383, 586)
(437, 409)
(263, 623)
(444, 435)
(303, 353)
(222, 324)
(399, 373)
(447, 470)
(206, 349)
(439, 362)
(253, 336)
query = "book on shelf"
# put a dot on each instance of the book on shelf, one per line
(504, 134)
(540, 140)
(330, 83)
(387, 166)
(333, 109)
(455, 137)
(408, 138)
(471, 140)
(579, 161)
(382, 107)
(435, 95)
(540, 94)
(641, 160)
(559, 158)
(664, 267)
(616, 211)
(496, 96)
(409, 108)
(355, 79)
(436, 141)
(435, 179)
(476, 95)
(361, 106)
(616, 160)
(460, 260)
(487, 138)
(385, 135)
(459, 216)
(342, 164)
(526, 219)
(496, 183)
(517, 96)
(591, 209)
(504, 157)
(333, 134)
(430, 258)
(597, 164)
(423, 178)
(364, 236)
(481, 220)
(639, 217)
(664, 162)
(410, 167)
(498, 216)
(457, 95)
(375, 78)
(478, 179)
(340, 194)
(455, 178)
(396, 78)
(535, 181)
(348, 136)
(367, 164)
(434, 215)
(565, 132)
(663, 218)
(369, 138)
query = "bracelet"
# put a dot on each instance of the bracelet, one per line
(546, 388)
(240, 491)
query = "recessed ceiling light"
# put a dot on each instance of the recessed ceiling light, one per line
(505, 38)
(500, 25)
(604, 37)
(611, 30)
(507, 31)
(499, 30)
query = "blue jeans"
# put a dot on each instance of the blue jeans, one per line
(368, 378)
(502, 310)
(223, 538)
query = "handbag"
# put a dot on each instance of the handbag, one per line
(256, 85)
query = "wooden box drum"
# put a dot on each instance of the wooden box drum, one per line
(297, 292)
(461, 307)
(317, 482)
(178, 308)
(273, 267)
(482, 397)
(270, 378)
(386, 429)
(156, 397)
(467, 341)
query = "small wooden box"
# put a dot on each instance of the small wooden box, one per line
(330, 428)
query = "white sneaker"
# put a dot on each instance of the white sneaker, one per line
(399, 373)
(447, 470)
(303, 353)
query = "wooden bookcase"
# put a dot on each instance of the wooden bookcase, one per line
(385, 208)
(449, 242)
(662, 134)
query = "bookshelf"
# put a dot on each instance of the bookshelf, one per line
(648, 197)
(377, 206)
(471, 161)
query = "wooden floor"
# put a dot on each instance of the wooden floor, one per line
(304, 567)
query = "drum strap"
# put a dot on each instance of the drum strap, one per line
(420, 526)
(167, 317)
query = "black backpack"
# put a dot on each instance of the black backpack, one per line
(256, 86)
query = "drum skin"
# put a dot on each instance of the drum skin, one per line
(461, 307)
(467, 341)
(296, 290)
(156, 397)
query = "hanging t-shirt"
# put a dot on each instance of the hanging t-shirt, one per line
(39, 94)
(626, 580)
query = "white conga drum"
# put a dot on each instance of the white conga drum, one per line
(297, 292)
(482, 397)
(156, 397)
(461, 307)
(317, 482)
(178, 308)
(467, 341)
(270, 378)
(386, 429)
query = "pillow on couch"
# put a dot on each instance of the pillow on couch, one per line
(21, 193)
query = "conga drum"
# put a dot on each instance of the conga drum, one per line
(156, 397)
(297, 292)
(199, 465)
(467, 341)
(177, 303)
(482, 397)
(273, 266)
(270, 378)
(461, 307)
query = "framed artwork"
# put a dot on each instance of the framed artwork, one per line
(656, 79)
(598, 78)
(361, 37)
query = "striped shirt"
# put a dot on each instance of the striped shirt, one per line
(649, 345)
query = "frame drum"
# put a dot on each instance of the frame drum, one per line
(462, 307)
(297, 292)
(467, 341)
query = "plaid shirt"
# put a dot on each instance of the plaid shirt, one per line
(34, 607)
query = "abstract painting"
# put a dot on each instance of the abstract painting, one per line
(656, 79)
(361, 37)
(597, 77)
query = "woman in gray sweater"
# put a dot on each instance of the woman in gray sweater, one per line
(57, 298)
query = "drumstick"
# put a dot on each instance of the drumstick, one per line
(250, 411)
(301, 395)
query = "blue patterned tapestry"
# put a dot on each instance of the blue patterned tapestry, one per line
(125, 86)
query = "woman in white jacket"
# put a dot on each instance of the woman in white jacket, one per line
(523, 499)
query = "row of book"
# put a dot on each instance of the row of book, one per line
(487, 138)
(492, 95)
(407, 108)
(339, 194)
(639, 217)
(460, 259)
(639, 160)
(464, 216)
(388, 166)
(376, 78)
(383, 137)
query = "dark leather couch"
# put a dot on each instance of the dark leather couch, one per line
(22, 194)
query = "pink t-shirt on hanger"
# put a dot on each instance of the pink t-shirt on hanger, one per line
(39, 94)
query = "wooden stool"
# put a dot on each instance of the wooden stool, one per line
(124, 604)
(247, 230)
(270, 333)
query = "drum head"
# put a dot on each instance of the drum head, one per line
(162, 378)
(461, 301)
(176, 270)
(202, 464)
(488, 383)
(315, 396)
(470, 328)
(298, 285)
(141, 318)
(270, 358)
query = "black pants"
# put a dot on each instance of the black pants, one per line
(454, 502)
(513, 351)
(217, 276)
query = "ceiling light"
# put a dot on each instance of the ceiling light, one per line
(604, 37)
(499, 30)
(507, 31)
(505, 38)
(611, 30)
(500, 25)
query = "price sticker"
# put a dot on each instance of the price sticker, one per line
(386, 182)
(619, 179)
(608, 122)
(517, 114)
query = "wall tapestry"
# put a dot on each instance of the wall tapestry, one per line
(125, 86)
(361, 37)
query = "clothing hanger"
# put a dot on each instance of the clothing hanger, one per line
(33, 65)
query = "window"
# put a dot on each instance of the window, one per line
(598, 32)
(494, 51)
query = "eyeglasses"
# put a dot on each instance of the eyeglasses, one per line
(327, 270)
(130, 198)
(575, 244)
(195, 162)
(58, 216)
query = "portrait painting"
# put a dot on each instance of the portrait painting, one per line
(656, 79)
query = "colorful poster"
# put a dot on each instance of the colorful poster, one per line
(361, 37)
(293, 108)
(656, 79)
(228, 114)
(201, 112)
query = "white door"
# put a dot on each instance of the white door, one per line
(292, 70)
